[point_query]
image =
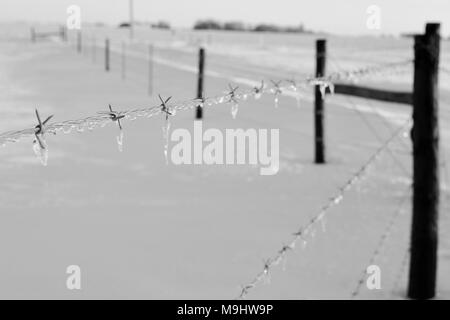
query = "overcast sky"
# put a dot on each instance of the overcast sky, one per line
(338, 16)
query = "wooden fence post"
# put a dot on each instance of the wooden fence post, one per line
(425, 137)
(319, 104)
(150, 69)
(107, 55)
(201, 76)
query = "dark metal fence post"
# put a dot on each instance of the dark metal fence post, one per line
(201, 76)
(319, 104)
(107, 55)
(425, 136)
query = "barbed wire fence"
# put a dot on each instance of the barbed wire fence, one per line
(233, 97)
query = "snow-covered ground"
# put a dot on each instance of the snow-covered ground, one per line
(139, 228)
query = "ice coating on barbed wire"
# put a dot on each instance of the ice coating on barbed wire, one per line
(323, 88)
(41, 152)
(166, 129)
(120, 141)
(234, 109)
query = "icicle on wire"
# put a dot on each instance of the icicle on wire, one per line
(39, 144)
(276, 91)
(233, 100)
(258, 91)
(166, 127)
(294, 87)
(115, 117)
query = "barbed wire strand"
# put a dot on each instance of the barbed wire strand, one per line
(383, 240)
(307, 229)
(91, 122)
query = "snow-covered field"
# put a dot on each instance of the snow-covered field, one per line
(139, 228)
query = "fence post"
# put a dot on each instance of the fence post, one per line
(79, 41)
(150, 69)
(107, 54)
(201, 76)
(425, 138)
(319, 103)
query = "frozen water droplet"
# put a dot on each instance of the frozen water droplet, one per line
(120, 141)
(257, 95)
(276, 101)
(234, 109)
(92, 125)
(166, 129)
(323, 88)
(338, 199)
(41, 152)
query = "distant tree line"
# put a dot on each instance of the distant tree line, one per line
(210, 24)
(158, 25)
